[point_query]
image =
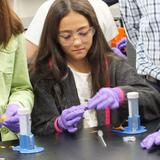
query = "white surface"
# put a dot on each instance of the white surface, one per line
(26, 9)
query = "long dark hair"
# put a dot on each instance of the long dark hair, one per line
(10, 23)
(50, 51)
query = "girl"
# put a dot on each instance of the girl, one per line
(74, 63)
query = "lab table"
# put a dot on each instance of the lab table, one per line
(85, 145)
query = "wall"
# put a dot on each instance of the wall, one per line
(26, 9)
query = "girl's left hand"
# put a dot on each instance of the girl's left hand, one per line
(105, 97)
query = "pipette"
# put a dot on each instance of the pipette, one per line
(100, 134)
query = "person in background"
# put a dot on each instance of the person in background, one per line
(141, 21)
(15, 87)
(76, 76)
(34, 30)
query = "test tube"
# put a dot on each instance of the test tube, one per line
(133, 109)
(25, 121)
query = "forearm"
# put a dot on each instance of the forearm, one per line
(31, 51)
(21, 89)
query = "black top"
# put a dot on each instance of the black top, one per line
(49, 101)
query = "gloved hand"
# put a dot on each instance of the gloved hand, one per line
(12, 118)
(151, 140)
(122, 45)
(105, 97)
(118, 52)
(70, 117)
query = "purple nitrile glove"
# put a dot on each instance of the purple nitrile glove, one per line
(118, 52)
(12, 118)
(105, 97)
(70, 117)
(151, 140)
(122, 45)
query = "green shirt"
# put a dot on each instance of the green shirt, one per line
(15, 86)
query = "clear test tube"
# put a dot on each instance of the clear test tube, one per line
(133, 109)
(25, 121)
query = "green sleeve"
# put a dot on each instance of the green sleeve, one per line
(21, 89)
